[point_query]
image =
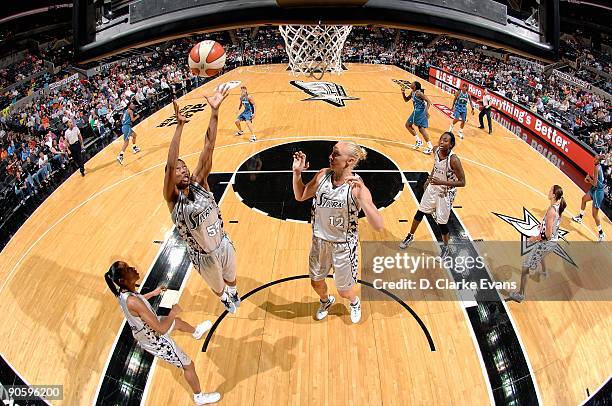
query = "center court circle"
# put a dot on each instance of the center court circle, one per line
(264, 181)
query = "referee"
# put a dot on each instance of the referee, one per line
(75, 139)
(486, 109)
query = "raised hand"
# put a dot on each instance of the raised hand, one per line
(215, 100)
(180, 118)
(299, 162)
(356, 183)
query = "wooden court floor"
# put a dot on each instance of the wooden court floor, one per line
(59, 320)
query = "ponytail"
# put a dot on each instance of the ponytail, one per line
(562, 205)
(108, 277)
(558, 192)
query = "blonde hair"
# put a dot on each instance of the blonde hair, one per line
(356, 151)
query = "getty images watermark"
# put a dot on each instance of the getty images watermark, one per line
(485, 271)
(411, 264)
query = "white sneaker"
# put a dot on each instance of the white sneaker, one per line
(602, 236)
(135, 149)
(356, 311)
(460, 134)
(577, 219)
(427, 151)
(418, 144)
(206, 398)
(201, 329)
(238, 133)
(324, 307)
(253, 138)
(120, 159)
(450, 129)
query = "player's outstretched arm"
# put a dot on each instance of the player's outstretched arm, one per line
(200, 175)
(363, 196)
(170, 190)
(301, 191)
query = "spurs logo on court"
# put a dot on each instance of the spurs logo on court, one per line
(329, 203)
(188, 111)
(404, 84)
(326, 91)
(529, 226)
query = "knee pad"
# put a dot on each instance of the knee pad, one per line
(443, 228)
(419, 215)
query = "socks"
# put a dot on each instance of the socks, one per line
(121, 153)
(581, 213)
(356, 302)
(429, 145)
(231, 289)
(600, 229)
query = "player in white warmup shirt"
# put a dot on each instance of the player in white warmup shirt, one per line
(337, 197)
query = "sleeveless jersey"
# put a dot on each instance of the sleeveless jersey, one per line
(126, 119)
(419, 104)
(141, 331)
(335, 214)
(198, 220)
(600, 179)
(248, 107)
(462, 101)
(557, 221)
(442, 170)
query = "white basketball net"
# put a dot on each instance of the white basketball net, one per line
(314, 48)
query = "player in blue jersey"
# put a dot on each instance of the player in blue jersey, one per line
(596, 194)
(460, 103)
(419, 116)
(248, 114)
(128, 118)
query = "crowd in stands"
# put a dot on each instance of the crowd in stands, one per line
(18, 71)
(34, 154)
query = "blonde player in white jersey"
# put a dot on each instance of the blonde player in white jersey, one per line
(440, 190)
(546, 241)
(195, 212)
(152, 333)
(337, 197)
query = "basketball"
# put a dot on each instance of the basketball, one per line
(206, 58)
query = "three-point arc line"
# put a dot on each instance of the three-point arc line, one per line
(211, 332)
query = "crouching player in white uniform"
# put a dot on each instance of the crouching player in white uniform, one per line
(151, 332)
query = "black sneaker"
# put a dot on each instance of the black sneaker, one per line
(404, 244)
(235, 298)
(445, 251)
(229, 305)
